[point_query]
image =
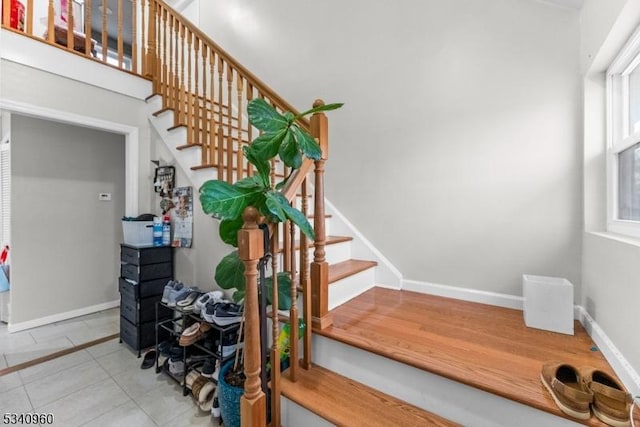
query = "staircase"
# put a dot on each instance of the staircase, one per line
(201, 119)
(197, 109)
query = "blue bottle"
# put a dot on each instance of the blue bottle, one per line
(157, 231)
(166, 230)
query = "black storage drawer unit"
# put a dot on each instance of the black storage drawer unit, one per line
(140, 336)
(141, 256)
(144, 272)
(142, 290)
(141, 273)
(143, 310)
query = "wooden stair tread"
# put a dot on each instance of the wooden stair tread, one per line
(345, 402)
(331, 240)
(485, 347)
(348, 268)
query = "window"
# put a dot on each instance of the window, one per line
(623, 151)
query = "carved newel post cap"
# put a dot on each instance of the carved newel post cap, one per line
(318, 103)
(250, 217)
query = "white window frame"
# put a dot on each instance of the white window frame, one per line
(619, 138)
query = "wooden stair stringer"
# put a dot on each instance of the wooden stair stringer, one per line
(345, 402)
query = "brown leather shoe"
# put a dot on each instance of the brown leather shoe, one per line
(610, 399)
(565, 385)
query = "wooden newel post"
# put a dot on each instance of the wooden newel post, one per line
(319, 266)
(250, 250)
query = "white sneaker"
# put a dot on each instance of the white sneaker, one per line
(176, 367)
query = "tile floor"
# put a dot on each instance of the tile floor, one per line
(27, 345)
(102, 385)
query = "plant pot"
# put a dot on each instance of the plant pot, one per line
(229, 398)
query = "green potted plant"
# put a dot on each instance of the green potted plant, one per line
(281, 137)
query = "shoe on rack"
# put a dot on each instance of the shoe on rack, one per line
(176, 367)
(187, 304)
(167, 291)
(209, 368)
(164, 348)
(193, 333)
(209, 311)
(173, 293)
(201, 302)
(227, 314)
(176, 352)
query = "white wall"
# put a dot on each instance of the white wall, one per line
(65, 242)
(610, 268)
(458, 150)
(36, 92)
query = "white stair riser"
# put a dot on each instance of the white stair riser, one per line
(334, 253)
(449, 399)
(294, 415)
(350, 287)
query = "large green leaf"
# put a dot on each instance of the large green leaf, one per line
(225, 201)
(229, 230)
(277, 199)
(306, 143)
(238, 296)
(250, 183)
(266, 146)
(230, 272)
(327, 107)
(265, 117)
(262, 166)
(289, 152)
(284, 290)
(274, 204)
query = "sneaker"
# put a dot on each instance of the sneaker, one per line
(178, 293)
(187, 304)
(201, 302)
(215, 408)
(176, 367)
(177, 286)
(167, 291)
(228, 350)
(227, 314)
(208, 368)
(164, 348)
(209, 311)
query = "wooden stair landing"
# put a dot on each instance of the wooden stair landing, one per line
(343, 402)
(479, 345)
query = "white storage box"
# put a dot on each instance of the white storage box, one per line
(548, 303)
(138, 233)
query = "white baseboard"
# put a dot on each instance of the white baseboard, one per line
(465, 294)
(21, 326)
(627, 374)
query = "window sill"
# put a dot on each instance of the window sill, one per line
(629, 240)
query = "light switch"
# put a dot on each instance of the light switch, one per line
(104, 196)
